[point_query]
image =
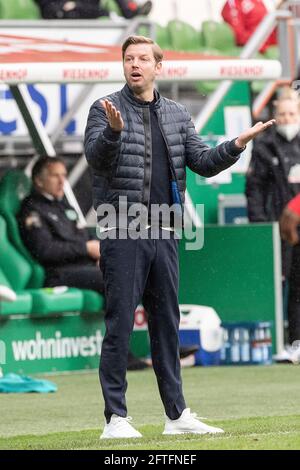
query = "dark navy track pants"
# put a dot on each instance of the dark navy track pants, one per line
(144, 271)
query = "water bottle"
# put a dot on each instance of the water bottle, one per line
(256, 349)
(235, 346)
(268, 341)
(244, 345)
(222, 352)
(263, 345)
(225, 350)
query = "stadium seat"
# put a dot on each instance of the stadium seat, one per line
(219, 36)
(163, 36)
(213, 40)
(17, 270)
(14, 186)
(111, 6)
(19, 10)
(92, 301)
(48, 301)
(22, 304)
(183, 36)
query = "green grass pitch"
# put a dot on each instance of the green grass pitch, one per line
(258, 407)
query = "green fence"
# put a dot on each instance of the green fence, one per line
(237, 272)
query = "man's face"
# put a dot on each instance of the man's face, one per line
(140, 68)
(52, 180)
(287, 112)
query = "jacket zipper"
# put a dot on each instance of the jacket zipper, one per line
(148, 158)
(172, 169)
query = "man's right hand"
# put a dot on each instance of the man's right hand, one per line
(93, 249)
(113, 116)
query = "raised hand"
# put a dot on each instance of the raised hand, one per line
(113, 116)
(252, 132)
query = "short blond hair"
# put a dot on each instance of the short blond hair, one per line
(287, 94)
(157, 51)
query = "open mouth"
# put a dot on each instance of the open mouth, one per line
(136, 75)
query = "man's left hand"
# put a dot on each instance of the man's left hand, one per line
(252, 132)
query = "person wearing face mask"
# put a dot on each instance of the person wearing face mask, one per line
(273, 179)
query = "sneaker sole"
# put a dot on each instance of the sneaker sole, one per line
(120, 437)
(184, 432)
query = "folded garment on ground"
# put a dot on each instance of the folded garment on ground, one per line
(14, 383)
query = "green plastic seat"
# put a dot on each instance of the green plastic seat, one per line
(15, 267)
(162, 37)
(19, 10)
(219, 36)
(183, 36)
(92, 301)
(111, 6)
(14, 186)
(18, 270)
(48, 301)
(22, 304)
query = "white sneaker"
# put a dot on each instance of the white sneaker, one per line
(291, 353)
(188, 423)
(119, 428)
(294, 352)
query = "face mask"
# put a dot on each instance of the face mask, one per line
(288, 131)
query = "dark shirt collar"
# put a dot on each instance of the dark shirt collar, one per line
(128, 93)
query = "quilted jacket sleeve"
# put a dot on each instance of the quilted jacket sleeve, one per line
(206, 161)
(101, 143)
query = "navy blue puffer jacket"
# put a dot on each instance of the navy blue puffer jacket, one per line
(121, 162)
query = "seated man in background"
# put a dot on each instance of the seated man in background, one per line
(88, 9)
(50, 230)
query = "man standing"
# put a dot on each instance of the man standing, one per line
(138, 145)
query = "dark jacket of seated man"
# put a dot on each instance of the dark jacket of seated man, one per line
(50, 230)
